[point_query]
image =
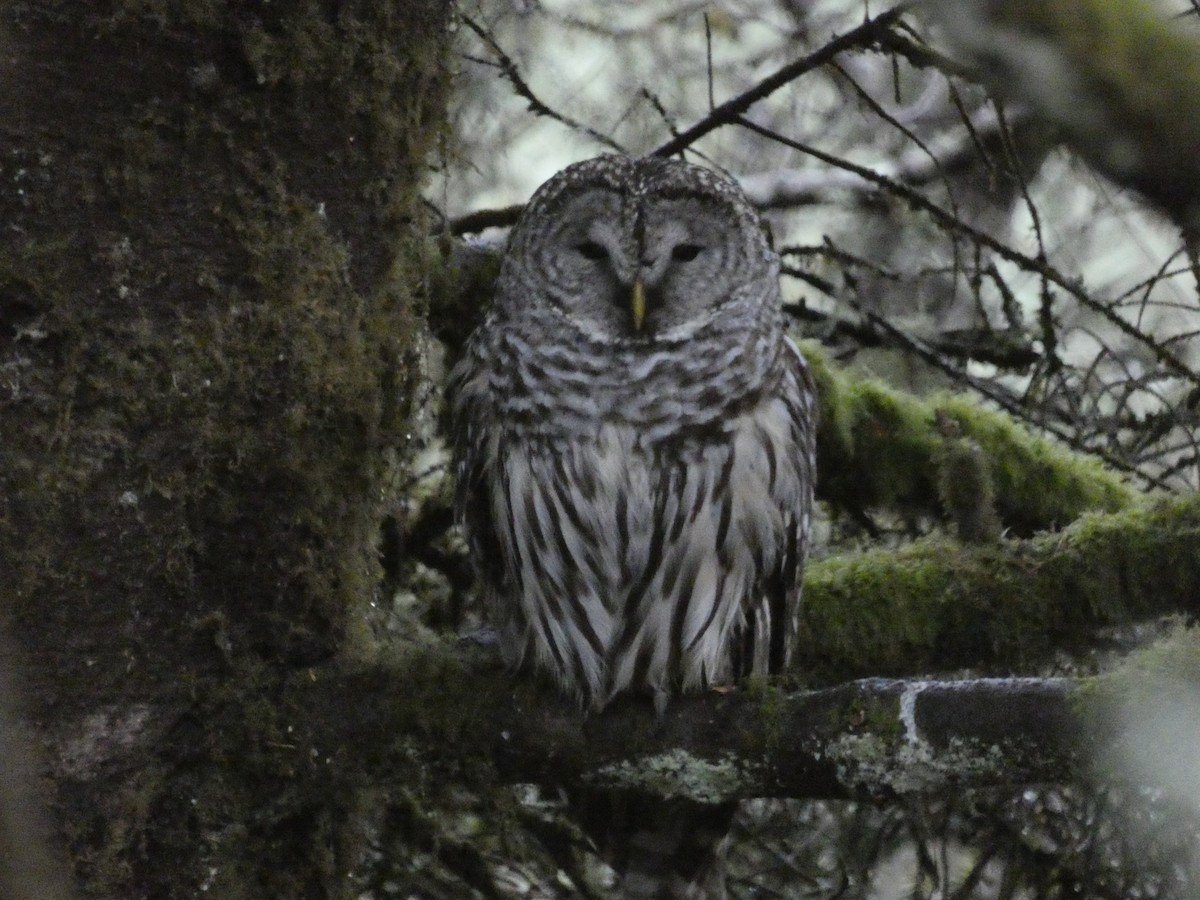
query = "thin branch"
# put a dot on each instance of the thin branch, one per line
(920, 55)
(513, 75)
(1010, 404)
(875, 330)
(481, 219)
(1037, 266)
(730, 111)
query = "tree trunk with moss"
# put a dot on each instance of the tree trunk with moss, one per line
(206, 314)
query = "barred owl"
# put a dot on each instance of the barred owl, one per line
(634, 438)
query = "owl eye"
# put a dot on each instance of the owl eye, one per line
(591, 250)
(685, 252)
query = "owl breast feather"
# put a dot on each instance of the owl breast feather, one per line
(631, 554)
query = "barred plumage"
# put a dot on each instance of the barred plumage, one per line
(634, 436)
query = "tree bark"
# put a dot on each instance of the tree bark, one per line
(208, 281)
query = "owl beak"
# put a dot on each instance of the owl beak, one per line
(638, 304)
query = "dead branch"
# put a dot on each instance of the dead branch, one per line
(521, 88)
(787, 188)
(731, 110)
(951, 223)
(725, 114)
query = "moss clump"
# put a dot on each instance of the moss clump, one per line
(1038, 484)
(878, 447)
(966, 490)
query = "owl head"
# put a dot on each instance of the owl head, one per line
(639, 250)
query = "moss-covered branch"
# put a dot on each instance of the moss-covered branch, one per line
(329, 731)
(1120, 79)
(938, 604)
(879, 447)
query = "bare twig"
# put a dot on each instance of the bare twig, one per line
(731, 110)
(513, 75)
(948, 221)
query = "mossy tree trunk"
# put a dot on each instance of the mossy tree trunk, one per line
(208, 213)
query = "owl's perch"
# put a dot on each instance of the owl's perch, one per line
(874, 738)
(880, 738)
(871, 739)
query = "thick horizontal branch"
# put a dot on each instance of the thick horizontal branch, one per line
(874, 738)
(453, 707)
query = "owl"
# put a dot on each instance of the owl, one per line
(633, 434)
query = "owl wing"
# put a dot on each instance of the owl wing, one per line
(471, 433)
(788, 433)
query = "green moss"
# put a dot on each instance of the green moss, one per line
(769, 696)
(880, 448)
(935, 605)
(1038, 483)
(965, 488)
(887, 608)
